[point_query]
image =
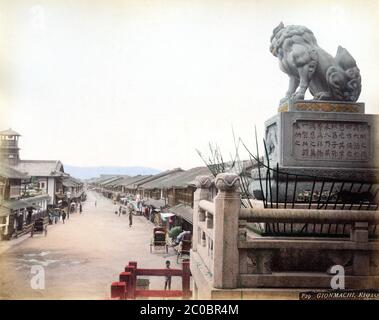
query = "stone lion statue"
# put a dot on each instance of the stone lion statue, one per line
(309, 66)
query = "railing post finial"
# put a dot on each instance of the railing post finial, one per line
(227, 182)
(203, 182)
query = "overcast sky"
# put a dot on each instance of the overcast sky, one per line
(147, 82)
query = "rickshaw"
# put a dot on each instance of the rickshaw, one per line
(39, 226)
(184, 247)
(159, 239)
(72, 207)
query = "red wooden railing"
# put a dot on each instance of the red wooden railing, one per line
(126, 287)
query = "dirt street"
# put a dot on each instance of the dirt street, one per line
(82, 257)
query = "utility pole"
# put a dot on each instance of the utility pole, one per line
(68, 194)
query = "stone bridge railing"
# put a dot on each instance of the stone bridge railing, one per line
(227, 255)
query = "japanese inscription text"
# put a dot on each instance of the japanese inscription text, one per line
(329, 140)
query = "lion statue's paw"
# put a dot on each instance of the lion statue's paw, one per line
(297, 96)
(322, 96)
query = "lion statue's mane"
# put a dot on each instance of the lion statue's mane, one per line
(309, 66)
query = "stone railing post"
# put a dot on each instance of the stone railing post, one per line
(361, 259)
(203, 183)
(225, 224)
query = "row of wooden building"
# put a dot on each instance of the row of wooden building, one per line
(29, 188)
(171, 191)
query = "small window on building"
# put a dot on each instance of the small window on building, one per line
(42, 185)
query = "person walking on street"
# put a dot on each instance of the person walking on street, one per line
(95, 203)
(130, 218)
(63, 216)
(80, 207)
(119, 211)
(167, 283)
(130, 208)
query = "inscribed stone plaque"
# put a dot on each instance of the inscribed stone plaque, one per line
(331, 140)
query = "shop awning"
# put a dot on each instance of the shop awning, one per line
(166, 215)
(155, 203)
(185, 212)
(7, 207)
(35, 199)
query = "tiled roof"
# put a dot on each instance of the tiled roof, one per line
(41, 168)
(11, 173)
(9, 132)
(103, 178)
(156, 178)
(110, 180)
(177, 179)
(130, 180)
(137, 181)
(71, 182)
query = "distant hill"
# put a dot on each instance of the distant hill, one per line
(91, 172)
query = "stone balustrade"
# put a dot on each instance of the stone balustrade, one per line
(308, 216)
(212, 224)
(227, 255)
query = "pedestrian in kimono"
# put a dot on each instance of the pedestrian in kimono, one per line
(63, 216)
(130, 209)
(167, 283)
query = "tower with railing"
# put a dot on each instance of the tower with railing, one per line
(9, 150)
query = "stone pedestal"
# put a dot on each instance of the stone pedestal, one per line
(317, 142)
(322, 106)
(321, 139)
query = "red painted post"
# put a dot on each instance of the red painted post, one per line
(186, 279)
(125, 277)
(126, 288)
(129, 287)
(133, 278)
(131, 267)
(131, 263)
(118, 290)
